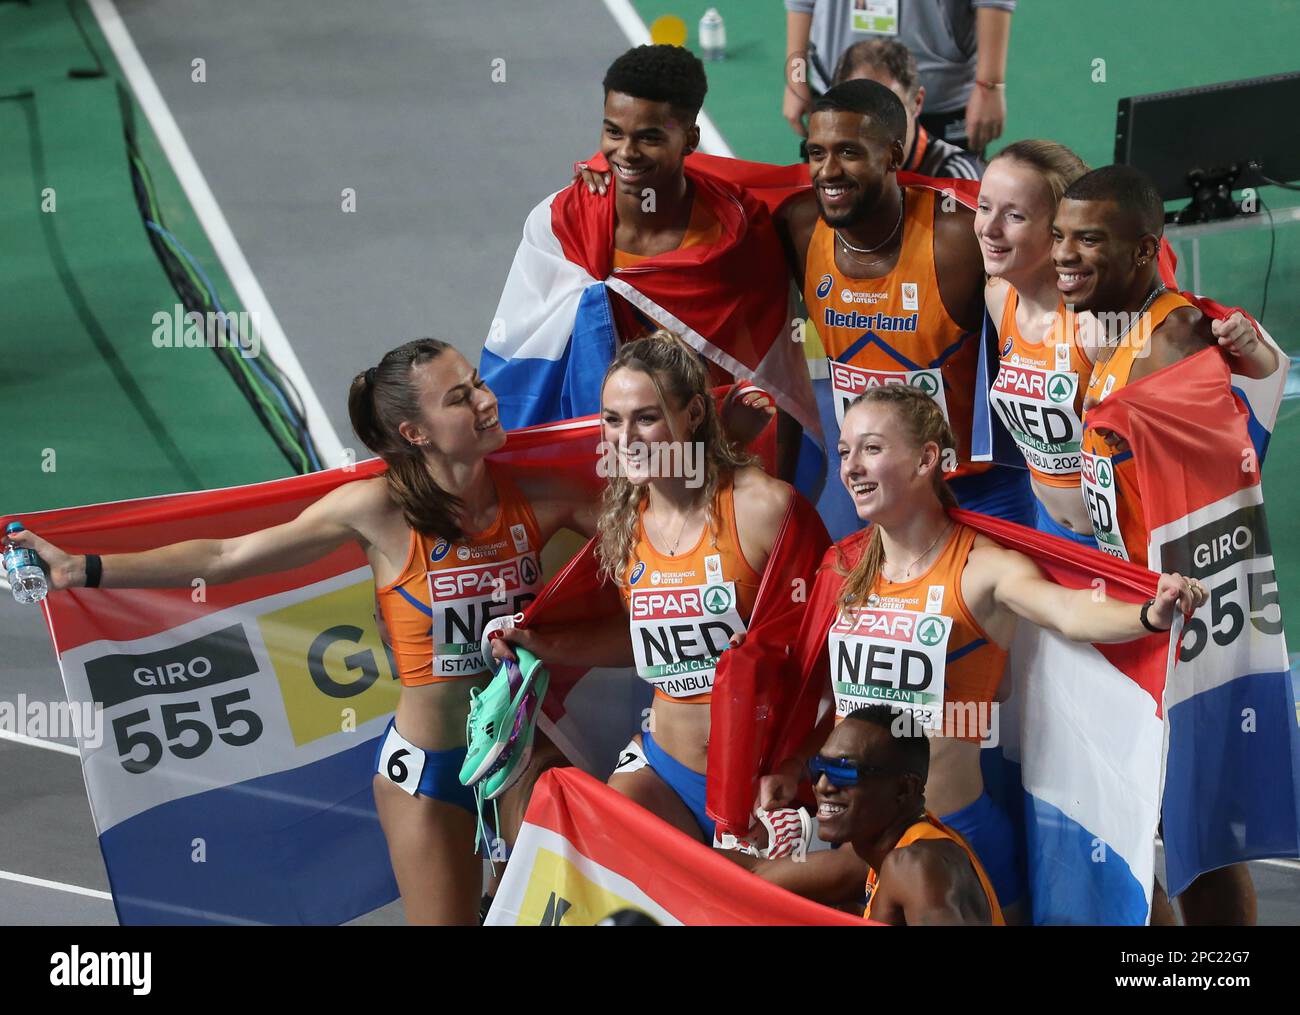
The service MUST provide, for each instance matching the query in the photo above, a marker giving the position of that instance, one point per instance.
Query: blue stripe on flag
(834, 505)
(528, 390)
(1082, 880)
(1068, 882)
(1232, 783)
(591, 350)
(535, 390)
(1259, 433)
(297, 847)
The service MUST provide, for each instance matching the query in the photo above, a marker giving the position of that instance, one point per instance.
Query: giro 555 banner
(232, 782)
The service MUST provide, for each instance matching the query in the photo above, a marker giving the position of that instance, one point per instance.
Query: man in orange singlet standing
(1106, 241)
(894, 281)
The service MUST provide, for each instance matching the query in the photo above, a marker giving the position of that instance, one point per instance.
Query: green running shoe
(492, 727)
(506, 773)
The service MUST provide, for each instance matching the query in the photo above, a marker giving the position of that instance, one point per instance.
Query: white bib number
(401, 761)
(1037, 408)
(678, 634)
(466, 599)
(890, 657)
(1099, 492)
(848, 382)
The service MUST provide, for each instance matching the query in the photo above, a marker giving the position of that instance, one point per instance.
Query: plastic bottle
(713, 35)
(23, 569)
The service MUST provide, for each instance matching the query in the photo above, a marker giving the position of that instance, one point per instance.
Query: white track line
(622, 11)
(25, 879)
(48, 745)
(214, 223)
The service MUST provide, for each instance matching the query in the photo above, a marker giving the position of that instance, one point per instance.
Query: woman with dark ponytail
(440, 506)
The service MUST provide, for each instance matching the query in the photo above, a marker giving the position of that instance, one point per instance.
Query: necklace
(1159, 288)
(908, 573)
(659, 529)
(870, 250)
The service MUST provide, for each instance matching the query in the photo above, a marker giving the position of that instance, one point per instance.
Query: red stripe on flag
(693, 882)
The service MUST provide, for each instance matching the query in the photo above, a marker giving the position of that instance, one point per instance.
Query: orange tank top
(932, 828)
(447, 592)
(703, 227)
(895, 329)
(1038, 394)
(1110, 485)
(683, 609)
(916, 646)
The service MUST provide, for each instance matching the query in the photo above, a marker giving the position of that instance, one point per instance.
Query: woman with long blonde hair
(686, 527)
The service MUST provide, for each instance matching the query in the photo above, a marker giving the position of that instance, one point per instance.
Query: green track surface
(1153, 46)
(82, 377)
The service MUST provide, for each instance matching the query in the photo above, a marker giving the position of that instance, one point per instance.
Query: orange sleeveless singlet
(684, 608)
(931, 828)
(447, 592)
(1039, 393)
(1110, 485)
(915, 645)
(895, 329)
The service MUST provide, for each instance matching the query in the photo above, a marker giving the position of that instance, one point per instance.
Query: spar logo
(878, 624)
(439, 550)
(1059, 388)
(824, 286)
(1105, 478)
(717, 599)
(668, 605)
(1037, 384)
(930, 631)
(926, 383)
(502, 577)
(637, 572)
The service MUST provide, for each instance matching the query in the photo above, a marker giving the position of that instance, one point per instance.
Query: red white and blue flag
(585, 852)
(1232, 759)
(232, 779)
(556, 328)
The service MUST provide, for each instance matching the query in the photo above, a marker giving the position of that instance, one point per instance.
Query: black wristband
(94, 570)
(1146, 623)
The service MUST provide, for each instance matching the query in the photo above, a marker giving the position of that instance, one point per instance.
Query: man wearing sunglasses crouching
(869, 779)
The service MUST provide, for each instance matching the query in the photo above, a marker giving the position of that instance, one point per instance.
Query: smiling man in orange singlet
(1106, 238)
(893, 278)
(869, 778)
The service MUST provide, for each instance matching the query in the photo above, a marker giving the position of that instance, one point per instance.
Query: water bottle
(713, 35)
(23, 569)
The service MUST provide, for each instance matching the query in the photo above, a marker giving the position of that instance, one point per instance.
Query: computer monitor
(1202, 143)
